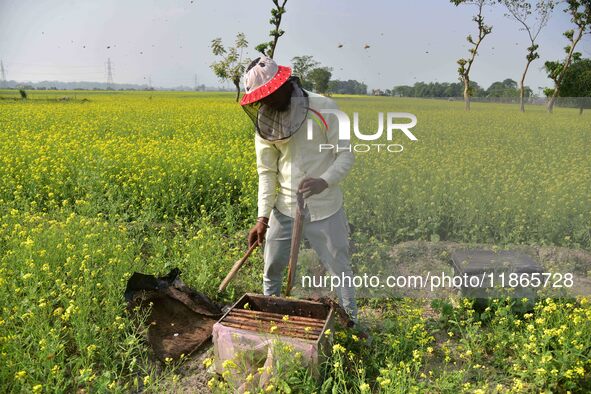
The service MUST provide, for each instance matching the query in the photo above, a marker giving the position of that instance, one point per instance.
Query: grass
(91, 191)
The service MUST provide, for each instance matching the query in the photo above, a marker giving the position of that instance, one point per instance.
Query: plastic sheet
(244, 352)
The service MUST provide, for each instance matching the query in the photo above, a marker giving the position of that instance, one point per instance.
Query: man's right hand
(257, 232)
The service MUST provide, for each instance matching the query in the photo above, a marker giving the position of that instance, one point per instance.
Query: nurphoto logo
(344, 124)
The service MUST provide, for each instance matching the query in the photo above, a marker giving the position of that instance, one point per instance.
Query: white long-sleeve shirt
(282, 166)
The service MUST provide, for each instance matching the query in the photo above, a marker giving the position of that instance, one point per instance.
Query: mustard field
(101, 184)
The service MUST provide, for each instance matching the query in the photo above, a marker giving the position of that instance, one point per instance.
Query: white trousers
(328, 237)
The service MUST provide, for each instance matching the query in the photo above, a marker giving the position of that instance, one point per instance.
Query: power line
(109, 74)
(53, 65)
(2, 75)
(61, 73)
(82, 71)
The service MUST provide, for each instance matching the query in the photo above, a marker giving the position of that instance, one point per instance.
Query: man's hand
(311, 186)
(257, 232)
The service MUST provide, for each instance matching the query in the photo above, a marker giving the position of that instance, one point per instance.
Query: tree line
(531, 16)
(505, 88)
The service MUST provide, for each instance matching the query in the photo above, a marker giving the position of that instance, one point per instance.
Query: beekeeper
(289, 161)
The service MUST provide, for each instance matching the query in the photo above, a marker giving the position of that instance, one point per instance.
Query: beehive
(256, 322)
(490, 266)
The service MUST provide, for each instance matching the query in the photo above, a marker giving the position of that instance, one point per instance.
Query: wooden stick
(287, 323)
(265, 324)
(236, 267)
(277, 316)
(296, 237)
(280, 330)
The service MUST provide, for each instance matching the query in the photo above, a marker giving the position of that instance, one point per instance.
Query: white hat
(263, 78)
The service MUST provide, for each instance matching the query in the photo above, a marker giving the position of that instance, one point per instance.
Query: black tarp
(180, 319)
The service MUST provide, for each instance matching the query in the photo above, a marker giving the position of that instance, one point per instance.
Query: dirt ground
(193, 376)
(412, 257)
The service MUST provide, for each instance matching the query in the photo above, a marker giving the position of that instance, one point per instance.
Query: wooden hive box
(247, 332)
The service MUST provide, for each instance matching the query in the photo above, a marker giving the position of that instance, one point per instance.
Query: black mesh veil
(275, 126)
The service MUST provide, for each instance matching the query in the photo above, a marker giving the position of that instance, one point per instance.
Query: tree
(302, 65)
(465, 65)
(402, 91)
(506, 88)
(435, 89)
(319, 78)
(532, 18)
(350, 86)
(452, 90)
(420, 89)
(231, 66)
(580, 12)
(268, 48)
(576, 84)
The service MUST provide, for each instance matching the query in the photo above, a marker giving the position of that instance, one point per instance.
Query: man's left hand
(311, 186)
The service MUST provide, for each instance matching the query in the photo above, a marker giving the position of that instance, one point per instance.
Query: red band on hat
(282, 75)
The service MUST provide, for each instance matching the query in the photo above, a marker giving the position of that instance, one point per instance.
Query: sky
(168, 41)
